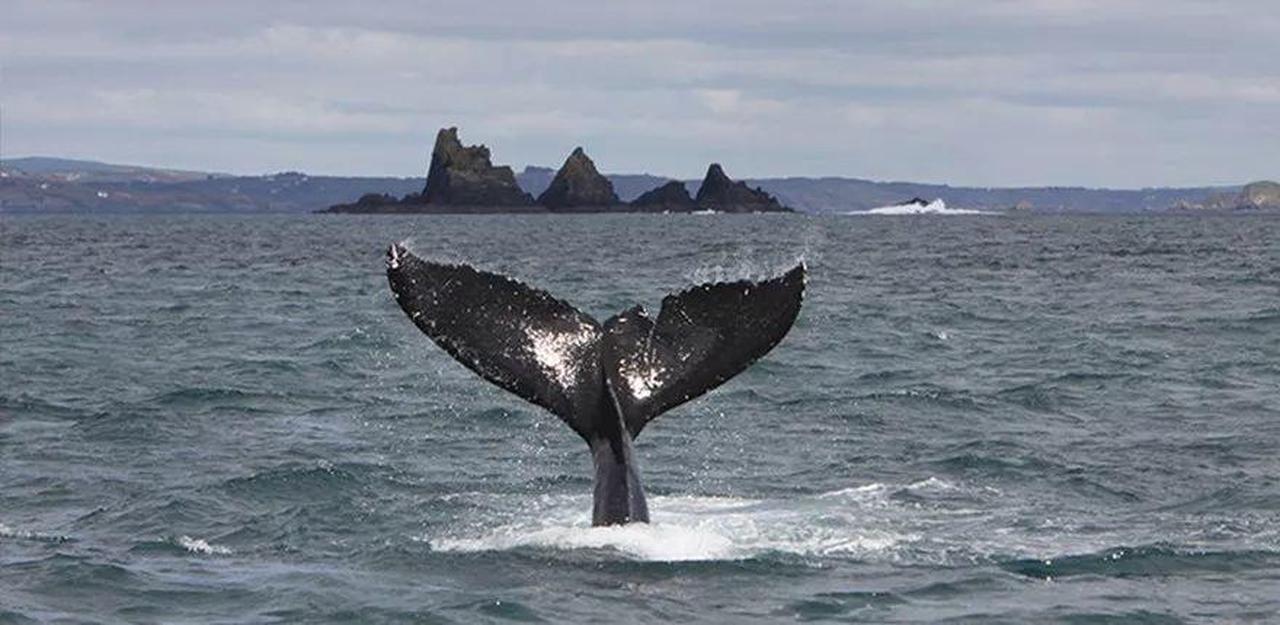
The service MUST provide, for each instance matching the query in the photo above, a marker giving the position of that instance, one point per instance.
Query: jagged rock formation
(463, 176)
(578, 186)
(671, 197)
(720, 193)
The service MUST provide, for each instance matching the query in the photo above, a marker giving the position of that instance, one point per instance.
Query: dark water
(975, 420)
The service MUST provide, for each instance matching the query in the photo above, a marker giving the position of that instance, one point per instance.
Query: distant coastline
(65, 186)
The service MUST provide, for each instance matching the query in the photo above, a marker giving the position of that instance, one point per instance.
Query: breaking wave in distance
(936, 207)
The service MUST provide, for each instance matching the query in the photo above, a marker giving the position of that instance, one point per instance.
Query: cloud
(1121, 92)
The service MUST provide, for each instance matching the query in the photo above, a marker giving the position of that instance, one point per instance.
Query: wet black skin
(605, 381)
(618, 496)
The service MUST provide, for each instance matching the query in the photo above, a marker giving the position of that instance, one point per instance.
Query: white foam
(932, 483)
(699, 528)
(936, 207)
(643, 541)
(10, 532)
(197, 545)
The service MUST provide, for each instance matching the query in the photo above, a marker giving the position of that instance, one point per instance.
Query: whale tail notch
(546, 351)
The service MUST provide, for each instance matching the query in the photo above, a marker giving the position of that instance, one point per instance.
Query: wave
(16, 618)
(201, 546)
(21, 534)
(305, 482)
(29, 406)
(936, 207)
(180, 545)
(207, 395)
(1142, 561)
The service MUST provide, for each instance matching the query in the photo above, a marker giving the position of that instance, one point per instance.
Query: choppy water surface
(975, 420)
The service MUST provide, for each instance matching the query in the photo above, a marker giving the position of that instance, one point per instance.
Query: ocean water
(975, 420)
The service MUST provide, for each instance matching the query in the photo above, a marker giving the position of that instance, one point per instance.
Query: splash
(748, 263)
(936, 207)
(702, 529)
(641, 541)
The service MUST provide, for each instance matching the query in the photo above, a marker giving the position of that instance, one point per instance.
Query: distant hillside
(63, 186)
(48, 185)
(1262, 195)
(841, 195)
(835, 195)
(71, 170)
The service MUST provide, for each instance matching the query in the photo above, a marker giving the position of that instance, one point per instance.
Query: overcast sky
(985, 92)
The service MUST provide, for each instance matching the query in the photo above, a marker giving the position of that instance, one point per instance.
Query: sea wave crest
(936, 207)
(201, 546)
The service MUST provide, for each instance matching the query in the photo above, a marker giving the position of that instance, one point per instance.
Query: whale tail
(589, 374)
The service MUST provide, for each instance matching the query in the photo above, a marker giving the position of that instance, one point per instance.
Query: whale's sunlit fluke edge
(606, 381)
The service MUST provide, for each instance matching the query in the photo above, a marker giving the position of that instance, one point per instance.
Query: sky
(1115, 93)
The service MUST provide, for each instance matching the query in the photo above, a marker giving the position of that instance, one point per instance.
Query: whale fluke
(605, 381)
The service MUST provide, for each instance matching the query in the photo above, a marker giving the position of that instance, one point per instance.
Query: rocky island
(463, 179)
(464, 176)
(579, 187)
(460, 179)
(723, 195)
(671, 197)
